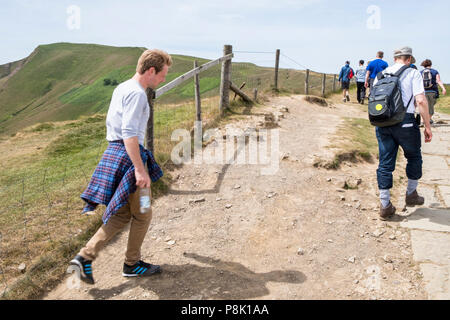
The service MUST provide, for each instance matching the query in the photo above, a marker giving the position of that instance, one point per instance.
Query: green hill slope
(35, 93)
(64, 81)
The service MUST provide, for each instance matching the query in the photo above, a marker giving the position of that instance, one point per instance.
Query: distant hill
(64, 81)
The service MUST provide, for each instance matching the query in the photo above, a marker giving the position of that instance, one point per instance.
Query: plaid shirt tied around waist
(114, 180)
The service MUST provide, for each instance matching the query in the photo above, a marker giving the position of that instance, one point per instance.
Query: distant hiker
(431, 80)
(360, 80)
(345, 76)
(405, 133)
(373, 68)
(125, 167)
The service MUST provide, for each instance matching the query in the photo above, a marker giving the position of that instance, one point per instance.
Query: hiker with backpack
(360, 76)
(431, 80)
(373, 68)
(395, 93)
(345, 75)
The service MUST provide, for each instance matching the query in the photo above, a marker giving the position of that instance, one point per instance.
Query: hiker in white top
(128, 112)
(127, 121)
(360, 81)
(405, 134)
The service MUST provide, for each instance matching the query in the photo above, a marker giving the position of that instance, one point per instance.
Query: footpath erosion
(229, 232)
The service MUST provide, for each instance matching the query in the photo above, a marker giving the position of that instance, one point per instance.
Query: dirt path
(293, 235)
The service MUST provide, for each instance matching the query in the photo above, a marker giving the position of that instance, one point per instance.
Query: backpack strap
(400, 71)
(409, 102)
(397, 74)
(380, 75)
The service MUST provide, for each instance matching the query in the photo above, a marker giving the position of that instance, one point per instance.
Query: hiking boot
(414, 199)
(387, 212)
(348, 98)
(344, 100)
(85, 268)
(140, 269)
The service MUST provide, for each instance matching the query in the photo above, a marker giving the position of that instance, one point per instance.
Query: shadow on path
(220, 178)
(434, 215)
(219, 280)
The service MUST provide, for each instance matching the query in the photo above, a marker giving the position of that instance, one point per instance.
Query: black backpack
(427, 78)
(386, 107)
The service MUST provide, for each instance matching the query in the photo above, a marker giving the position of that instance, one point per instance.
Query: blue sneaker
(140, 269)
(85, 268)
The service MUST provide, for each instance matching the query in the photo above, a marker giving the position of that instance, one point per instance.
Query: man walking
(344, 78)
(125, 167)
(431, 80)
(360, 81)
(405, 134)
(373, 68)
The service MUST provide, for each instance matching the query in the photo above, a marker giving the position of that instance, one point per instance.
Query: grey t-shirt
(128, 112)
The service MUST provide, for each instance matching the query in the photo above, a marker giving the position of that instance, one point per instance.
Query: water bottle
(144, 200)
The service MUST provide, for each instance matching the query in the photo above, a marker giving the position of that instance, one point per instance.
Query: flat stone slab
(431, 247)
(435, 170)
(431, 199)
(429, 219)
(436, 280)
(445, 193)
(429, 193)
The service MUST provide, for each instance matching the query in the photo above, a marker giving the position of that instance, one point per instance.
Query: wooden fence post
(197, 94)
(307, 82)
(225, 80)
(150, 124)
(255, 94)
(323, 85)
(277, 65)
(334, 83)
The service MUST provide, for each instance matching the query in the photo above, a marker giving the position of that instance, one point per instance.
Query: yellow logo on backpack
(378, 107)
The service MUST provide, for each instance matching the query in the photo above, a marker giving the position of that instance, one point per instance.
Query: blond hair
(153, 58)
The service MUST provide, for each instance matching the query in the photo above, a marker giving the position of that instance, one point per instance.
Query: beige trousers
(138, 229)
(431, 97)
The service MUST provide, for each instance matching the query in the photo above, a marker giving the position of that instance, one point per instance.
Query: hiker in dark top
(431, 80)
(344, 78)
(373, 68)
(360, 80)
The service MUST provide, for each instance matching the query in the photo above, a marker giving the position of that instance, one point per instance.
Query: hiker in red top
(345, 76)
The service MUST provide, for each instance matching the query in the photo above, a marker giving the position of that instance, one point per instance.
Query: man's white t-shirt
(128, 112)
(411, 84)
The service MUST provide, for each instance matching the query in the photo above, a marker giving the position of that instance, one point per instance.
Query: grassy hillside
(8, 68)
(443, 103)
(64, 81)
(40, 91)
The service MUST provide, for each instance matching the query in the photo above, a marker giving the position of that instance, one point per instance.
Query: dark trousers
(360, 91)
(406, 135)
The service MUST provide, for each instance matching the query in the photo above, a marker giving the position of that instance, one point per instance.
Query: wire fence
(40, 205)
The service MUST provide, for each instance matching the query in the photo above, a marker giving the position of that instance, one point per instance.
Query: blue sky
(318, 34)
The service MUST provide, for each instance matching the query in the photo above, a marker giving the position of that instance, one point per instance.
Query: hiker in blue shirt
(344, 78)
(431, 80)
(373, 68)
(360, 80)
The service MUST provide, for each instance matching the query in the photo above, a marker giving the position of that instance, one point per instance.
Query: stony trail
(296, 234)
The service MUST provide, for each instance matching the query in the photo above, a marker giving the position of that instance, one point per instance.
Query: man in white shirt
(405, 134)
(125, 167)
